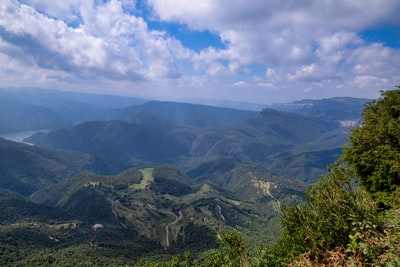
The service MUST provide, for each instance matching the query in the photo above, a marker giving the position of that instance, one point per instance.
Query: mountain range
(113, 179)
(182, 134)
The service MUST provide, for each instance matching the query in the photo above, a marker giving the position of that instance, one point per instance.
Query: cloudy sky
(263, 51)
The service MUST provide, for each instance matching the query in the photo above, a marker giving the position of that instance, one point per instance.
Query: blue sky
(186, 50)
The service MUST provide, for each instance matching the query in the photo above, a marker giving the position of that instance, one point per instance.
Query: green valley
(148, 183)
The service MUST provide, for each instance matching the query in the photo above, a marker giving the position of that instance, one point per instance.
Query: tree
(374, 150)
(232, 253)
(325, 220)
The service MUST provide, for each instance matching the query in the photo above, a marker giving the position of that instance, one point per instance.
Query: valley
(160, 178)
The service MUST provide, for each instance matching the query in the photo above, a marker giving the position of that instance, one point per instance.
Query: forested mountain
(96, 189)
(25, 169)
(262, 138)
(118, 141)
(137, 198)
(144, 211)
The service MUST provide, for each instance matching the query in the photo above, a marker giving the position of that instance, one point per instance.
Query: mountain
(246, 181)
(32, 234)
(104, 196)
(140, 212)
(179, 141)
(25, 169)
(304, 166)
(337, 108)
(24, 109)
(181, 114)
(118, 141)
(166, 206)
(16, 208)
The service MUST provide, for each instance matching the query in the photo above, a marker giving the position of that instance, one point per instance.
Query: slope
(118, 141)
(25, 169)
(164, 205)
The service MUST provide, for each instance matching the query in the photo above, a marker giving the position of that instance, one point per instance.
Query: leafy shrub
(325, 220)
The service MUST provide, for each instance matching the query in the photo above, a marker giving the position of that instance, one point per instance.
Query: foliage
(233, 252)
(370, 245)
(374, 150)
(325, 220)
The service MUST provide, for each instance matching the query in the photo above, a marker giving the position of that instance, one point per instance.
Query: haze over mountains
(163, 174)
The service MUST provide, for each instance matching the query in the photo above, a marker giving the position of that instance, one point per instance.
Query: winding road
(150, 206)
(220, 213)
(116, 214)
(177, 219)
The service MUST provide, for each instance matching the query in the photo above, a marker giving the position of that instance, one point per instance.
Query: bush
(325, 221)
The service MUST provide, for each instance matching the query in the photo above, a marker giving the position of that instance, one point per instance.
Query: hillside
(139, 213)
(246, 181)
(164, 205)
(25, 169)
(33, 234)
(118, 141)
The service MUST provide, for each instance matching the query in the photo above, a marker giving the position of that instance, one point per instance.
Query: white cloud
(298, 43)
(107, 42)
(376, 59)
(266, 85)
(240, 83)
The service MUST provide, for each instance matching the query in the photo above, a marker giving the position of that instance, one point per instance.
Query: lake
(20, 136)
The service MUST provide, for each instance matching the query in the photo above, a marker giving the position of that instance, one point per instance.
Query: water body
(20, 136)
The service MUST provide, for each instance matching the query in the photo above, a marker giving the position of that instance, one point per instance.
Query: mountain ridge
(25, 169)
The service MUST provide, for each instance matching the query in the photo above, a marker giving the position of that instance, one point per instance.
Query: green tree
(324, 221)
(374, 150)
(232, 253)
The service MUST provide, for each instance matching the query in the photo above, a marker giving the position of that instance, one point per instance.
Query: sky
(259, 51)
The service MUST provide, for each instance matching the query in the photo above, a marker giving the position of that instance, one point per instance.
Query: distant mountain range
(120, 178)
(24, 109)
(179, 134)
(337, 108)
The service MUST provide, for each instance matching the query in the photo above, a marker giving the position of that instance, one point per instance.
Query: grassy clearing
(147, 179)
